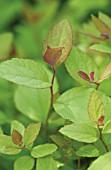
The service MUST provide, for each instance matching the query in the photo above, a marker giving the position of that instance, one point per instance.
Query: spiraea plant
(70, 130)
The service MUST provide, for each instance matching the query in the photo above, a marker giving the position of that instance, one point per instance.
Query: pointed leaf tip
(52, 55)
(92, 75)
(83, 75)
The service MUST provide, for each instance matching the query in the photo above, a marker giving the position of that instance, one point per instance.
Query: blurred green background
(23, 27)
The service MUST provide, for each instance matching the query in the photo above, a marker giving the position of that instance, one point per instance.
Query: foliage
(55, 92)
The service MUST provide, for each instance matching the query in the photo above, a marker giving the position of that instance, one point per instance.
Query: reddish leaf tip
(92, 75)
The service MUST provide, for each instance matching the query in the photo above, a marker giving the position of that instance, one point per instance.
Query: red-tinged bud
(83, 75)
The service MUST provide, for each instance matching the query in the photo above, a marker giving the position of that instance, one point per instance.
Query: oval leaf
(24, 72)
(95, 108)
(31, 133)
(59, 36)
(43, 150)
(16, 137)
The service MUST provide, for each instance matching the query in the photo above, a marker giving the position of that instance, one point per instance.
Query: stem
(51, 101)
(24, 148)
(101, 139)
(97, 84)
(79, 163)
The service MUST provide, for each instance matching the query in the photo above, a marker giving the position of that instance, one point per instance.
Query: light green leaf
(103, 162)
(107, 127)
(24, 163)
(87, 151)
(6, 40)
(10, 150)
(59, 36)
(82, 132)
(95, 107)
(24, 72)
(17, 126)
(7, 141)
(101, 48)
(33, 103)
(69, 104)
(31, 133)
(46, 163)
(106, 73)
(43, 150)
(80, 61)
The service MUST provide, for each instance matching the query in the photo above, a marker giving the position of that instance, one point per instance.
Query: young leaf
(83, 75)
(24, 163)
(95, 108)
(18, 127)
(88, 151)
(24, 72)
(82, 132)
(46, 163)
(92, 75)
(52, 55)
(107, 128)
(103, 162)
(59, 36)
(106, 73)
(31, 133)
(16, 137)
(78, 61)
(100, 25)
(43, 150)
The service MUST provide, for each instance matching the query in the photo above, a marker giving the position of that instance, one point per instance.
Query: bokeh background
(23, 27)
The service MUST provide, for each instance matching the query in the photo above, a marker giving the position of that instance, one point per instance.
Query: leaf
(31, 133)
(107, 127)
(92, 75)
(43, 150)
(80, 61)
(100, 25)
(24, 72)
(7, 141)
(82, 132)
(83, 75)
(6, 40)
(69, 104)
(87, 151)
(16, 137)
(46, 163)
(103, 162)
(101, 48)
(106, 73)
(24, 163)
(95, 108)
(10, 150)
(16, 125)
(52, 55)
(59, 36)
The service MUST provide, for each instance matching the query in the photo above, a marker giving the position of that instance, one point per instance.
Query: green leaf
(106, 73)
(46, 163)
(95, 107)
(24, 163)
(82, 132)
(17, 126)
(101, 48)
(24, 72)
(100, 25)
(80, 61)
(43, 150)
(33, 103)
(107, 127)
(59, 36)
(87, 151)
(103, 162)
(69, 104)
(7, 147)
(31, 133)
(6, 40)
